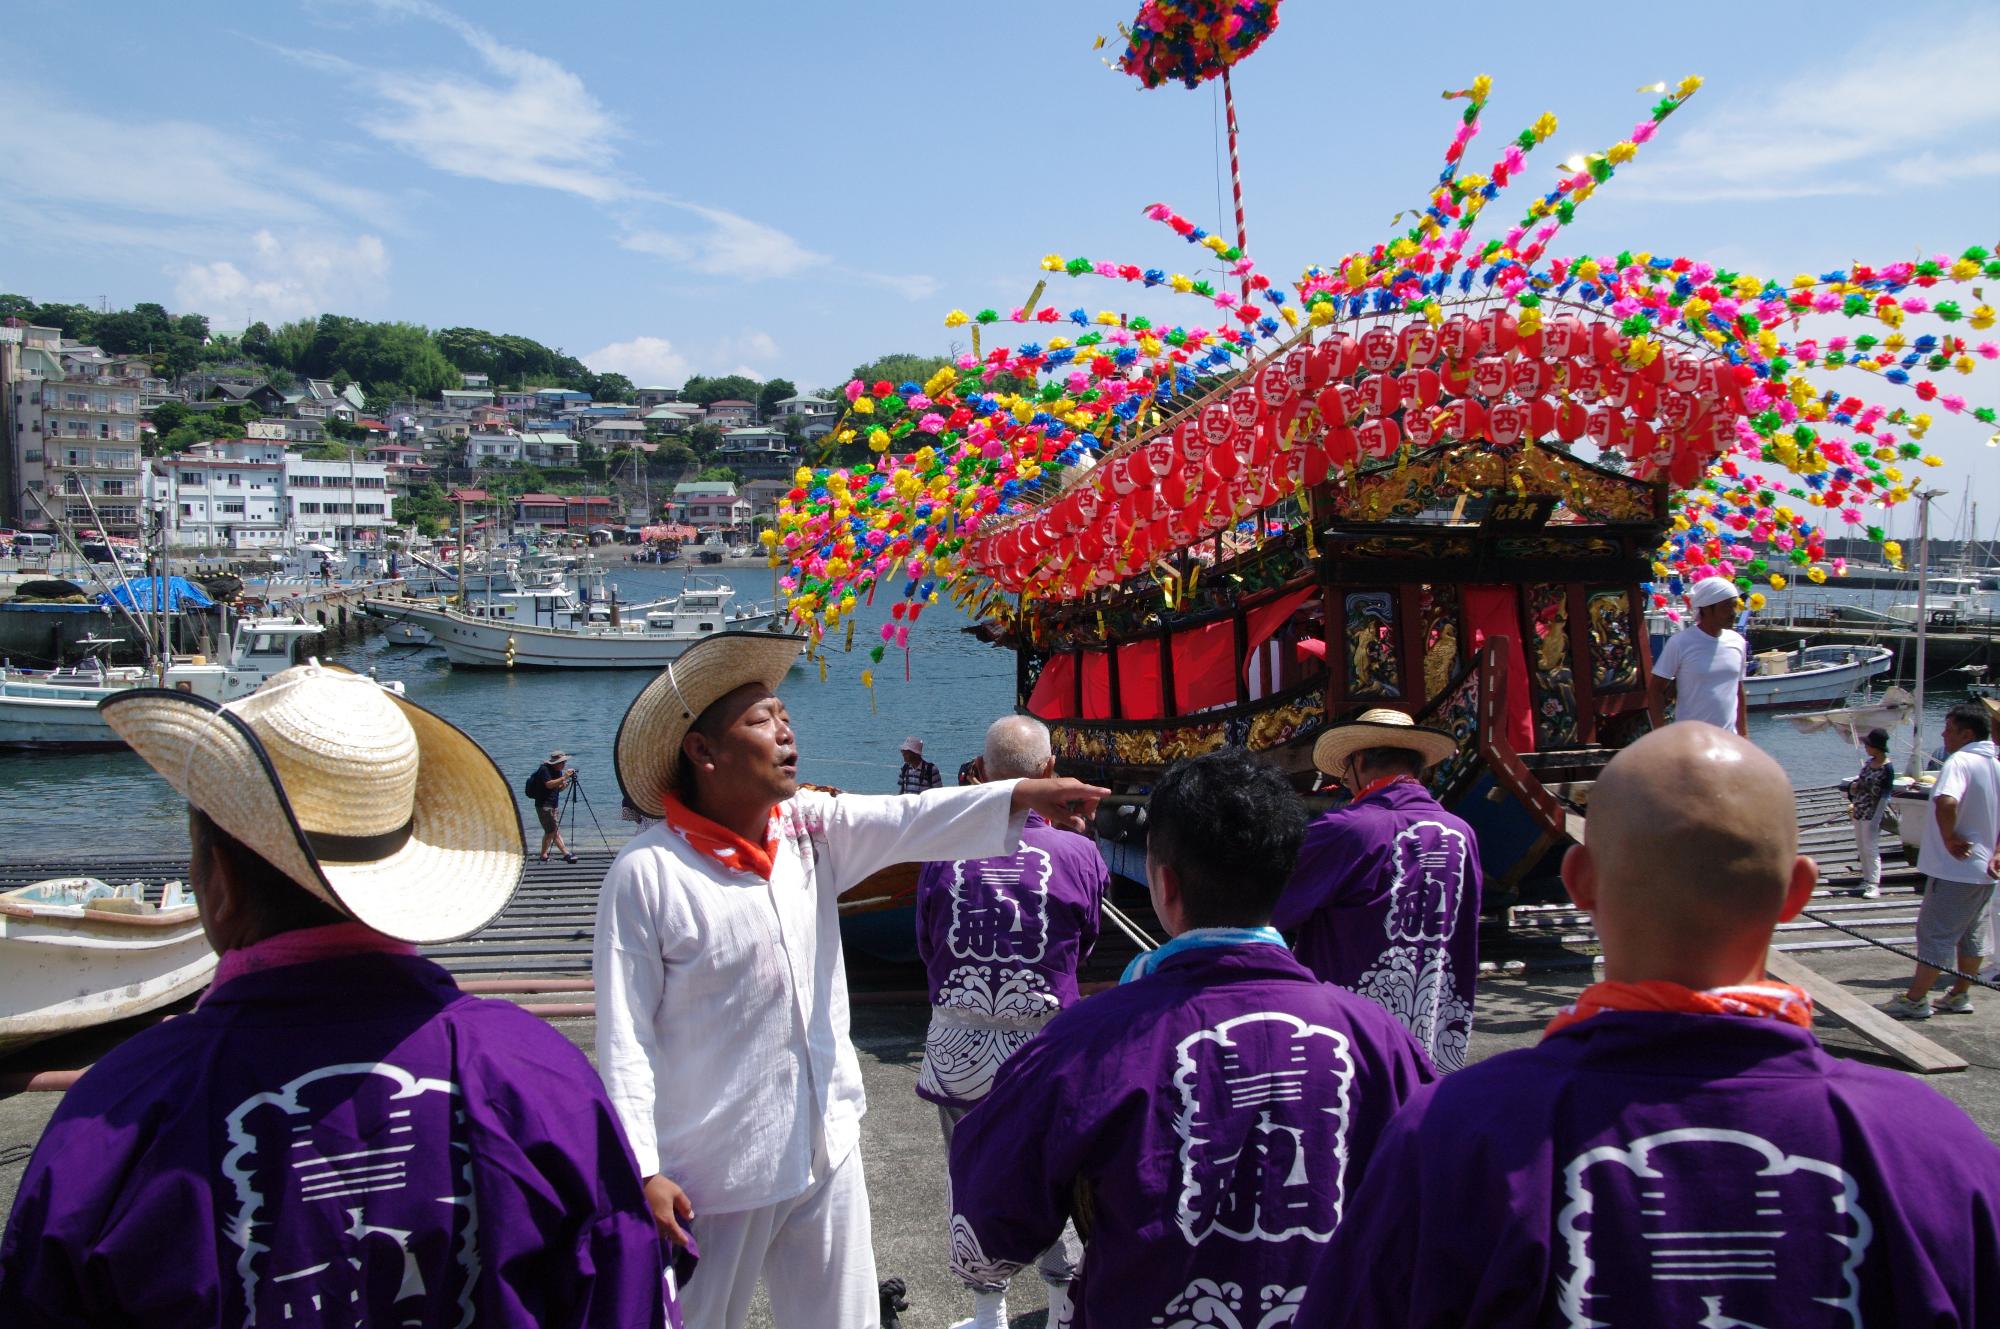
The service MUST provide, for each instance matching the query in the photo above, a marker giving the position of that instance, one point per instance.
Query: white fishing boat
(634, 637)
(403, 632)
(1813, 676)
(58, 708)
(74, 953)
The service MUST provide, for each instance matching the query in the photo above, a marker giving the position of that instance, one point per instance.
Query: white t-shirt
(1707, 672)
(1972, 776)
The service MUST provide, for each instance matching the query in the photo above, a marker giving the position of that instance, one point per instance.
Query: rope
(1132, 931)
(1912, 956)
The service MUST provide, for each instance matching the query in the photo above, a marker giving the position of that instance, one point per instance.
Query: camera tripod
(571, 796)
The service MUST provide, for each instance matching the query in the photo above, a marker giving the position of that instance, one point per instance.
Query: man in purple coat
(1001, 939)
(1385, 898)
(1204, 1123)
(336, 1135)
(1679, 1151)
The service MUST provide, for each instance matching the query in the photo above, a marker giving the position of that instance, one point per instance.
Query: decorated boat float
(1448, 474)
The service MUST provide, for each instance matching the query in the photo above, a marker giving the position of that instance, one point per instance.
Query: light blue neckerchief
(1198, 939)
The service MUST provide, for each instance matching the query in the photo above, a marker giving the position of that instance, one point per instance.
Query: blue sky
(792, 188)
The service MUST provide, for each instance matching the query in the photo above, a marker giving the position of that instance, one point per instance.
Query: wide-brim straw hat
(648, 752)
(374, 805)
(1380, 728)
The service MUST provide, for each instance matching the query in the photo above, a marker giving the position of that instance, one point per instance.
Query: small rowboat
(73, 955)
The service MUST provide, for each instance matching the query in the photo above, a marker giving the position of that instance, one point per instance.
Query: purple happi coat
(1672, 1171)
(1002, 939)
(346, 1141)
(1384, 901)
(1204, 1126)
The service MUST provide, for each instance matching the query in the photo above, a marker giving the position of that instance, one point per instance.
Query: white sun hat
(648, 751)
(915, 745)
(374, 805)
(1382, 727)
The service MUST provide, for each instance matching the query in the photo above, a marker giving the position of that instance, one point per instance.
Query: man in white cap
(336, 1133)
(722, 1025)
(1701, 668)
(1384, 898)
(915, 774)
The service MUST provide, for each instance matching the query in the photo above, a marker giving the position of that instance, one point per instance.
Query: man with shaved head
(1002, 939)
(1678, 1150)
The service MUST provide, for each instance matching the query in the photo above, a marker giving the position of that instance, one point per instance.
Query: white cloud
(727, 246)
(648, 359)
(1857, 127)
(285, 279)
(644, 360)
(176, 170)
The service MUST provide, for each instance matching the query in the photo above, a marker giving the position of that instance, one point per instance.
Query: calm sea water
(61, 805)
(110, 802)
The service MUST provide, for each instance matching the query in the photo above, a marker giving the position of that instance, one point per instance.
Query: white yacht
(58, 708)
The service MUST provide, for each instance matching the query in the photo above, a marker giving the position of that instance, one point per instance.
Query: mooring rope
(1892, 947)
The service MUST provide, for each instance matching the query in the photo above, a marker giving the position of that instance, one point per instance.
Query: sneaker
(1870, 892)
(1902, 1008)
(1959, 1003)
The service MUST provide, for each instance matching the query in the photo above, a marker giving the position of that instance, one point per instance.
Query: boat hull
(1820, 682)
(35, 723)
(471, 644)
(67, 969)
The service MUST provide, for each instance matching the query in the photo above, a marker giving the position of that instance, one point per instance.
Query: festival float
(1451, 473)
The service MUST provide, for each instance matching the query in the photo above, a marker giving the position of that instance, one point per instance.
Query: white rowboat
(1815, 676)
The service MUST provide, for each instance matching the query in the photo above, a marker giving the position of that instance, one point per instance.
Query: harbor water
(109, 803)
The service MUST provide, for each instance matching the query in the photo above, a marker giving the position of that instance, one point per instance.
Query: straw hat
(1380, 728)
(372, 804)
(648, 752)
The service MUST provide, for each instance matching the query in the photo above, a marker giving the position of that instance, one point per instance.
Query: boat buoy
(510, 652)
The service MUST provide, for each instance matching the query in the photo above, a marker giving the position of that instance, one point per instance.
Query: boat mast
(1924, 497)
(461, 549)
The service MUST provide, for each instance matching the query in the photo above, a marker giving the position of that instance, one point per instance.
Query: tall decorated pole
(1190, 42)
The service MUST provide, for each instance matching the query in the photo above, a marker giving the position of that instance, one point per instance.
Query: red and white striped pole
(1235, 173)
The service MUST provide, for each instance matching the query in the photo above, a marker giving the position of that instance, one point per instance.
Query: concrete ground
(905, 1157)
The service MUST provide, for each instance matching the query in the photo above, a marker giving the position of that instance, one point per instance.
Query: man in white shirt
(1701, 667)
(1956, 856)
(722, 1023)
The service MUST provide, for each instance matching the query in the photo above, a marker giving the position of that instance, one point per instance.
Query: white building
(547, 447)
(485, 448)
(250, 493)
(610, 434)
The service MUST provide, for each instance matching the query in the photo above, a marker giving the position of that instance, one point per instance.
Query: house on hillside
(674, 417)
(492, 449)
(758, 452)
(475, 381)
(588, 510)
(543, 510)
(647, 398)
(763, 496)
(816, 415)
(548, 447)
(466, 399)
(709, 505)
(730, 414)
(610, 434)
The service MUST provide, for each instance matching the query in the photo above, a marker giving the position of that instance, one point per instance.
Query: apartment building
(250, 493)
(71, 415)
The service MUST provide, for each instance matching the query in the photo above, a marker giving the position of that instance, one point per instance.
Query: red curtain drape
(1096, 685)
(1139, 681)
(1054, 697)
(1264, 621)
(1494, 611)
(1204, 667)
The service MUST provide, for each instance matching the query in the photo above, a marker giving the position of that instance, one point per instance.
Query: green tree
(703, 440)
(719, 474)
(903, 367)
(774, 391)
(169, 416)
(729, 387)
(611, 387)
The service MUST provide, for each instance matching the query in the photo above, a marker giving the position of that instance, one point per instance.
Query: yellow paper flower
(1817, 575)
(1982, 317)
(1622, 152)
(1688, 86)
(1757, 602)
(1777, 581)
(864, 406)
(957, 318)
(1544, 126)
(1052, 263)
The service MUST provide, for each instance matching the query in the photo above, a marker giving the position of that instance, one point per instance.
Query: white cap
(915, 745)
(1713, 591)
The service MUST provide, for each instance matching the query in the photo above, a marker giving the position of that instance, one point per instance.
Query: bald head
(1017, 748)
(1690, 855)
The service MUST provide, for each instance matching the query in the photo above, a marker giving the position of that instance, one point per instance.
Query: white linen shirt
(1970, 776)
(1707, 673)
(722, 1029)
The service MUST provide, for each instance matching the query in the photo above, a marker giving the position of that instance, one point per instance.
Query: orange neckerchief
(1759, 1001)
(721, 844)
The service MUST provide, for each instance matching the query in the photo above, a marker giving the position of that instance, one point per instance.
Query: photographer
(545, 788)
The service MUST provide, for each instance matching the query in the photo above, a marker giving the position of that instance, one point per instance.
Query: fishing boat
(608, 636)
(57, 709)
(402, 632)
(1812, 676)
(75, 953)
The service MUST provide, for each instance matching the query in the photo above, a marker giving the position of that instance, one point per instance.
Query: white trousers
(815, 1253)
(1868, 840)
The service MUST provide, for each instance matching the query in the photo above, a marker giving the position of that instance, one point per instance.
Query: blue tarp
(143, 595)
